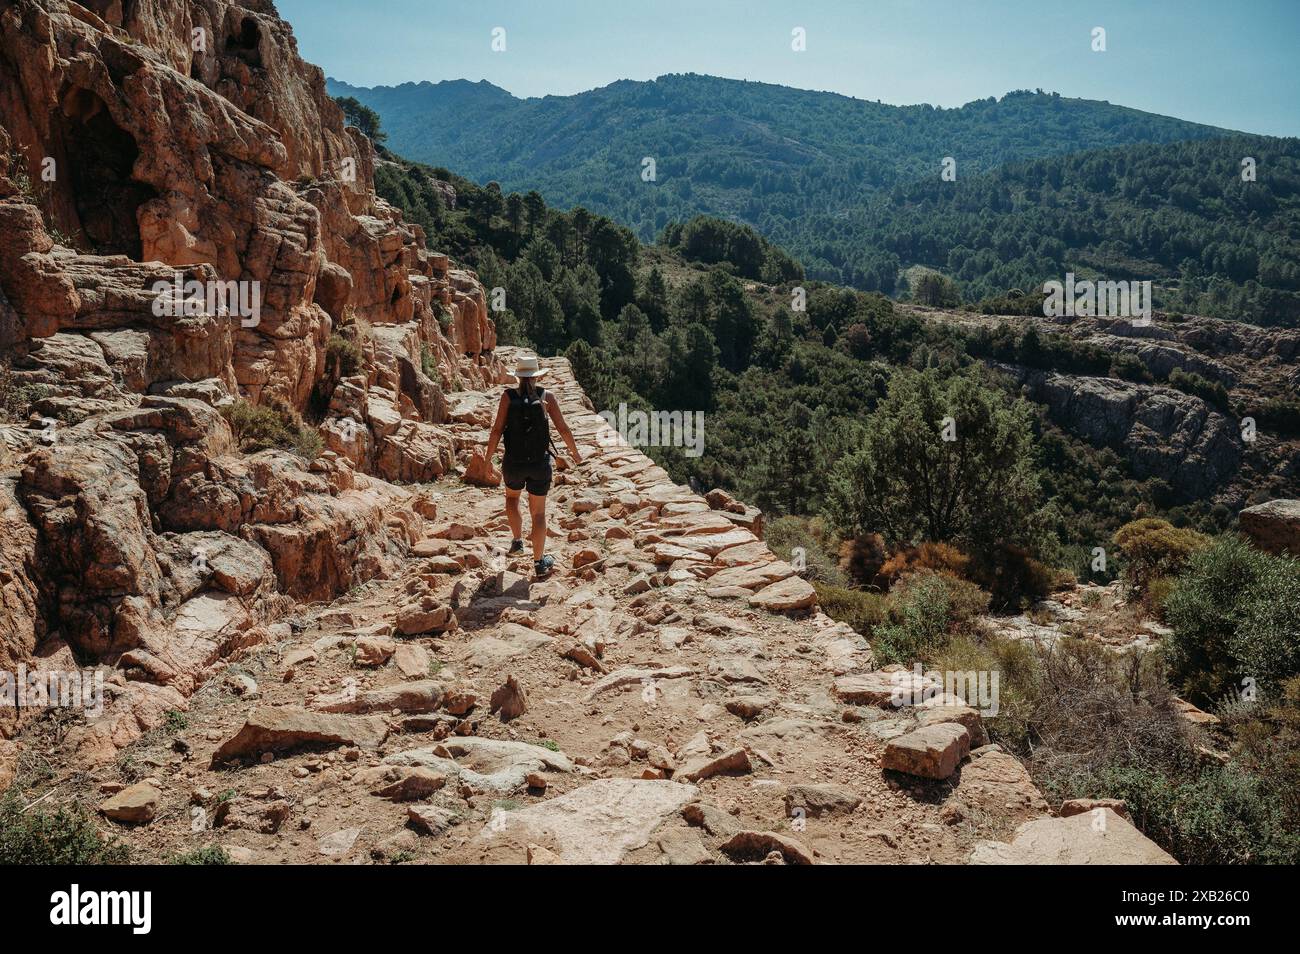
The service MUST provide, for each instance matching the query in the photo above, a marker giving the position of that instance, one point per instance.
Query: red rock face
(230, 155)
(176, 145)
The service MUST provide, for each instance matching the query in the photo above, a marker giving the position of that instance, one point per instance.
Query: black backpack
(528, 433)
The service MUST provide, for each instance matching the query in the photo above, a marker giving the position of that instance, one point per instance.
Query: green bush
(784, 534)
(207, 855)
(1156, 596)
(16, 399)
(66, 836)
(429, 363)
(443, 315)
(859, 608)
(1234, 616)
(943, 458)
(1189, 382)
(1130, 368)
(922, 613)
(259, 427)
(343, 355)
(1266, 742)
(1154, 548)
(1221, 815)
(1281, 416)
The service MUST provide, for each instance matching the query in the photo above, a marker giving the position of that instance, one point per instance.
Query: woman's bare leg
(513, 517)
(537, 510)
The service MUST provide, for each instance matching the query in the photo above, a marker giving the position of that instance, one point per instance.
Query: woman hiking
(526, 464)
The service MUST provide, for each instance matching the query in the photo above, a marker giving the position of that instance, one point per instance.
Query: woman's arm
(497, 426)
(553, 408)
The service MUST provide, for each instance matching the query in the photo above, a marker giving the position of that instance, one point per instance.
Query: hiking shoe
(516, 546)
(544, 566)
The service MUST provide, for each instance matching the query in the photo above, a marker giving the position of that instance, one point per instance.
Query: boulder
(631, 675)
(429, 615)
(885, 689)
(401, 783)
(933, 751)
(947, 707)
(996, 783)
(280, 729)
(374, 651)
(753, 576)
(252, 814)
(818, 800)
(412, 660)
(1273, 526)
(486, 765)
(732, 762)
(793, 593)
(758, 846)
(1087, 839)
(510, 699)
(136, 804)
(431, 820)
(420, 696)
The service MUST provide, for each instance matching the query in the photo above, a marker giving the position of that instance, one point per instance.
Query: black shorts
(535, 478)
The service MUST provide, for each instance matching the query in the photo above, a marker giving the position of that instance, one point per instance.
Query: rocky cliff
(187, 227)
(1201, 450)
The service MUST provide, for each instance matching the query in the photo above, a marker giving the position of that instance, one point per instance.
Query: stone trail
(670, 695)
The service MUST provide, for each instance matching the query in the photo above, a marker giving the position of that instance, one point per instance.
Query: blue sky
(1229, 63)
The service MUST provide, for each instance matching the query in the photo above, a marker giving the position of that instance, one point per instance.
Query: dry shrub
(861, 558)
(938, 557)
(1093, 724)
(1013, 577)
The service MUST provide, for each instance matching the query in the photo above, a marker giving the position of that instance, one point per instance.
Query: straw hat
(527, 367)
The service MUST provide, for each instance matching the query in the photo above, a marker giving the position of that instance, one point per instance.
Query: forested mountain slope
(767, 154)
(852, 189)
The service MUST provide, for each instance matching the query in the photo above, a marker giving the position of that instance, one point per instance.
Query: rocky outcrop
(1273, 526)
(1162, 432)
(185, 224)
(315, 639)
(1203, 451)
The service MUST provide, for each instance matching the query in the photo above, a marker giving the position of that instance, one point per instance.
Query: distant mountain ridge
(732, 147)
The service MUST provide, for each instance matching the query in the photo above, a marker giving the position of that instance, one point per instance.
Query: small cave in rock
(247, 43)
(110, 11)
(101, 157)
